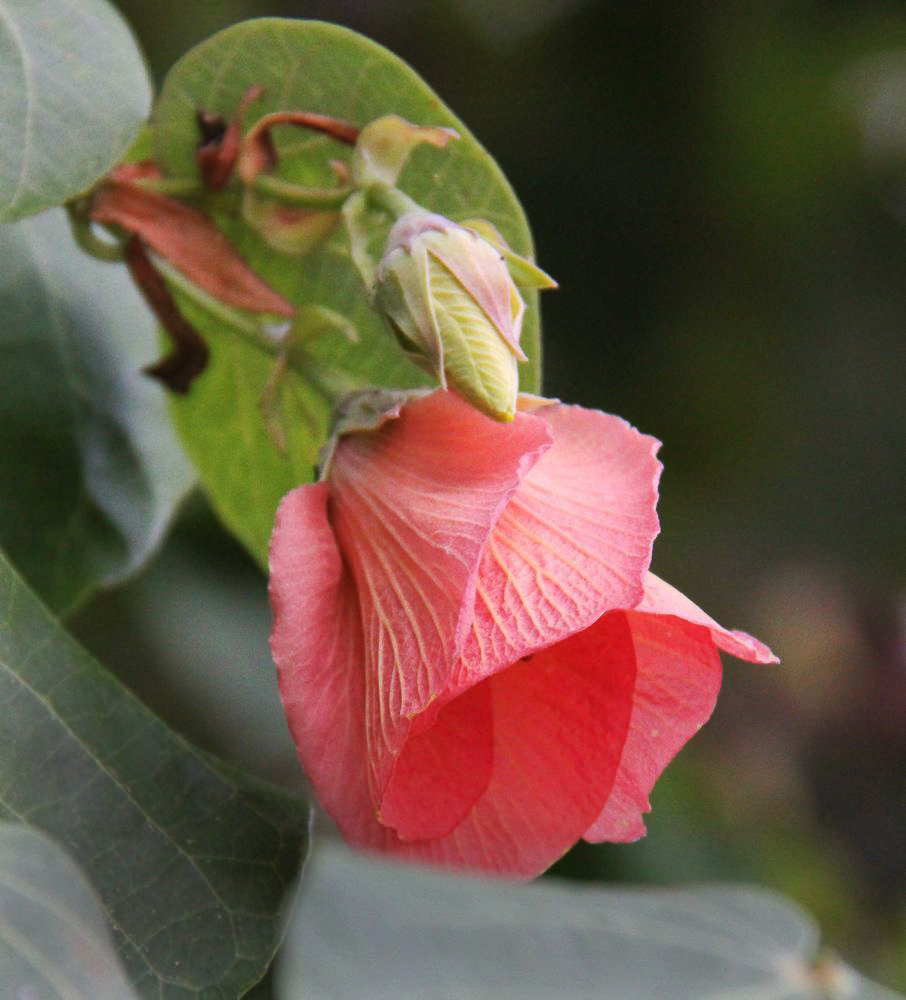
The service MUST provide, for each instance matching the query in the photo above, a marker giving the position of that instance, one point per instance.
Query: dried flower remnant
(218, 149)
(291, 218)
(189, 240)
(189, 357)
(185, 237)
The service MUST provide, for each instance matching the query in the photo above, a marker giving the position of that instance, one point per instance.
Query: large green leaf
(308, 66)
(190, 858)
(364, 928)
(73, 93)
(90, 470)
(54, 941)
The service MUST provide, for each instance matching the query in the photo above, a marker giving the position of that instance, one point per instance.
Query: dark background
(721, 192)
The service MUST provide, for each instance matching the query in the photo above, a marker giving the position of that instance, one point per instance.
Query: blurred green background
(721, 192)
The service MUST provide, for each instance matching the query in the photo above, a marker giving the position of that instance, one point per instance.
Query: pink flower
(476, 665)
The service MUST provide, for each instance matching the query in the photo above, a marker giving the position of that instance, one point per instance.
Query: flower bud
(449, 299)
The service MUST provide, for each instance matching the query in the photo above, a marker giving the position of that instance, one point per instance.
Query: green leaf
(74, 92)
(369, 928)
(90, 470)
(190, 858)
(54, 940)
(309, 66)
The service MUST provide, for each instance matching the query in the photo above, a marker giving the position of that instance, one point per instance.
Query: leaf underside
(90, 469)
(376, 929)
(190, 858)
(74, 92)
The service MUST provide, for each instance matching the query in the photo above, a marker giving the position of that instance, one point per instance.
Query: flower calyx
(363, 411)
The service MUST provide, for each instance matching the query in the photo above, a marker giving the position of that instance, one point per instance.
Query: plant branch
(299, 196)
(392, 200)
(265, 338)
(86, 236)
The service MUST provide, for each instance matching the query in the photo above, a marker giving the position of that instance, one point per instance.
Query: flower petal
(662, 599)
(574, 542)
(677, 682)
(560, 719)
(679, 674)
(443, 770)
(317, 646)
(413, 502)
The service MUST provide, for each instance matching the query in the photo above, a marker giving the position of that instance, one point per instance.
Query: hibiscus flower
(476, 665)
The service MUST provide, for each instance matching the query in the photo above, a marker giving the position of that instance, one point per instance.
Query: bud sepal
(449, 299)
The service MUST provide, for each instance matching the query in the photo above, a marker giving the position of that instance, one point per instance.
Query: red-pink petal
(560, 718)
(501, 761)
(317, 646)
(662, 599)
(443, 770)
(412, 503)
(678, 675)
(574, 542)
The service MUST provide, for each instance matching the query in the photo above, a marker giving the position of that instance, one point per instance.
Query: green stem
(85, 235)
(179, 187)
(392, 200)
(355, 215)
(331, 383)
(254, 333)
(298, 196)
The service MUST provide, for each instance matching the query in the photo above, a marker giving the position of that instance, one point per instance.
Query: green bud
(449, 299)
